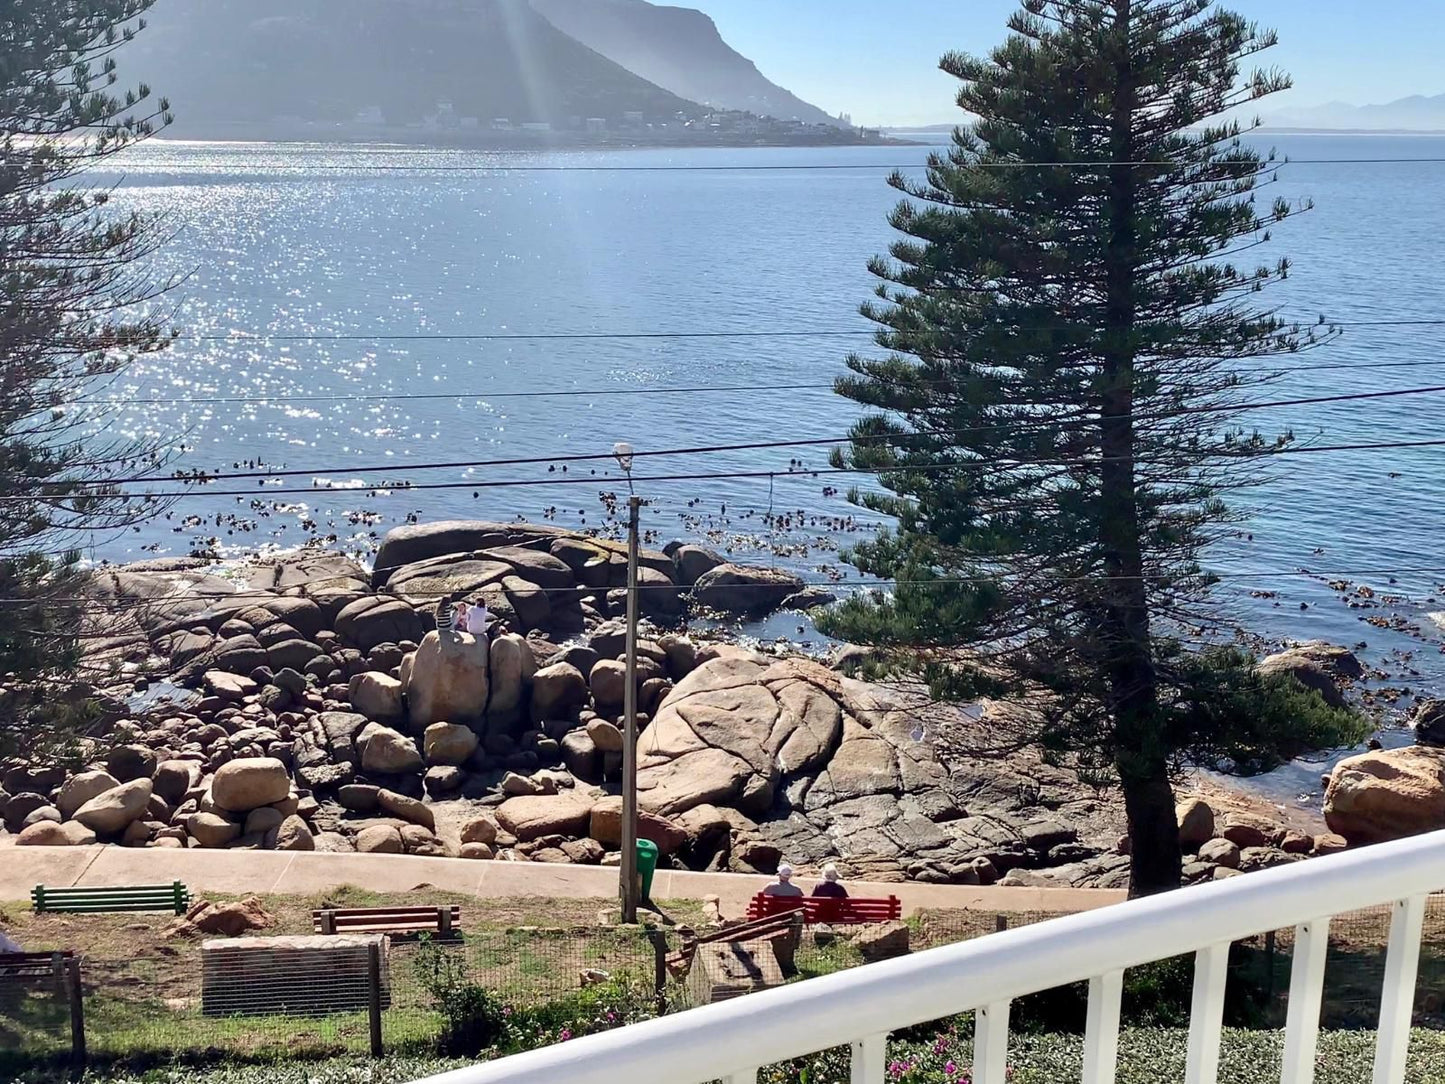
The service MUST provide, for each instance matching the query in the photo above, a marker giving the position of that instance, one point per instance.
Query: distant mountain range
(680, 49)
(442, 63)
(1415, 113)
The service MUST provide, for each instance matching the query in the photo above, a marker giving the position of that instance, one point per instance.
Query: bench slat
(442, 920)
(848, 911)
(90, 899)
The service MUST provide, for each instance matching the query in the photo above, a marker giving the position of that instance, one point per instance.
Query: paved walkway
(306, 873)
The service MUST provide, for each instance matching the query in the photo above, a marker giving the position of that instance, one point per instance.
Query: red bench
(835, 912)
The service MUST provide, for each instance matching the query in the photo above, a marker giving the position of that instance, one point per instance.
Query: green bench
(95, 900)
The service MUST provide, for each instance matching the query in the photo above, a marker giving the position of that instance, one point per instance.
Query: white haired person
(830, 887)
(783, 886)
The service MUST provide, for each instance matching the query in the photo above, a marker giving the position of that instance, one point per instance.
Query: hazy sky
(879, 61)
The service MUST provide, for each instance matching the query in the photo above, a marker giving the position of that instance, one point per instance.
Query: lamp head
(623, 453)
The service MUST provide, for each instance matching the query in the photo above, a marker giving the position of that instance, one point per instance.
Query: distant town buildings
(722, 125)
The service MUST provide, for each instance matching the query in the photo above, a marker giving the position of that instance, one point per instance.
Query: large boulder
(408, 809)
(448, 680)
(448, 744)
(1428, 722)
(608, 682)
(734, 727)
(1196, 822)
(387, 752)
(377, 696)
(537, 567)
(480, 829)
(131, 762)
(513, 668)
(379, 839)
(605, 826)
(228, 687)
(694, 562)
(238, 654)
(174, 778)
(43, 834)
(559, 691)
(421, 541)
(1387, 794)
(113, 811)
(240, 786)
(422, 583)
(375, 620)
(81, 788)
(212, 829)
(1310, 669)
(533, 816)
(741, 590)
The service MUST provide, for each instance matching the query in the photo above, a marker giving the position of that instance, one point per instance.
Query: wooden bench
(98, 900)
(779, 930)
(442, 921)
(34, 965)
(835, 912)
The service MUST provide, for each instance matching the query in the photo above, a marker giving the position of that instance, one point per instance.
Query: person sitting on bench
(830, 887)
(783, 886)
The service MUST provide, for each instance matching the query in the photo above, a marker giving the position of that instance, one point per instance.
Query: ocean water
(383, 254)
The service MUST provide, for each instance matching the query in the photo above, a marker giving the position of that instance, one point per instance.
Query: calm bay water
(301, 240)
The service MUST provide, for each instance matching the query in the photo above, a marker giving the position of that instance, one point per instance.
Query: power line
(1262, 166)
(594, 336)
(121, 605)
(591, 393)
(207, 476)
(397, 488)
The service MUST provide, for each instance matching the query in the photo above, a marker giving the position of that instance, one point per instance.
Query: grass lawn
(1147, 1056)
(143, 988)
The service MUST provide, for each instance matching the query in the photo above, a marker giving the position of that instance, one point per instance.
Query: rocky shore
(310, 703)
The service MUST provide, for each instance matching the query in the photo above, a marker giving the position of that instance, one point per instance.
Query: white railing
(731, 1040)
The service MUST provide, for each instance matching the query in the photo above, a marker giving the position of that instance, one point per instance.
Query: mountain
(1415, 113)
(680, 49)
(226, 62)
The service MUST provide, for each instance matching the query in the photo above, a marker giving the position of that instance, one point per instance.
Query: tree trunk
(1123, 623)
(1153, 833)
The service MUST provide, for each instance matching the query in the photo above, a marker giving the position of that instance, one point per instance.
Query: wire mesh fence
(301, 997)
(38, 1005)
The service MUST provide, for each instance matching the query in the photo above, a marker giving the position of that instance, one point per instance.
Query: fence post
(659, 968)
(1269, 954)
(1000, 923)
(77, 1012)
(373, 969)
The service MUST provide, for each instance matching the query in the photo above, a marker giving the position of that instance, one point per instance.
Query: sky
(878, 61)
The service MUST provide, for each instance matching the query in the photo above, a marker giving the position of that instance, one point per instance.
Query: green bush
(473, 1019)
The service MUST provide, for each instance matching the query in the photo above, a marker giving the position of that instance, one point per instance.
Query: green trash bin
(646, 865)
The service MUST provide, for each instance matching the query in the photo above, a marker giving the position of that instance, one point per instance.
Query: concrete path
(306, 873)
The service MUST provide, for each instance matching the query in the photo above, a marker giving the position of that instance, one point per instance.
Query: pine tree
(1070, 318)
(71, 283)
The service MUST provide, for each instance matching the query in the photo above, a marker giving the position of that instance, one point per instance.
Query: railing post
(659, 968)
(77, 1012)
(373, 974)
(1306, 993)
(869, 1056)
(1397, 1004)
(1101, 1033)
(1206, 1014)
(990, 1043)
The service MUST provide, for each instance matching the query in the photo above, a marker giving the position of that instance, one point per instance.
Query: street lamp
(629, 888)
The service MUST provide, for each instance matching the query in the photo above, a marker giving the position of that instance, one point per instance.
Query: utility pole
(630, 888)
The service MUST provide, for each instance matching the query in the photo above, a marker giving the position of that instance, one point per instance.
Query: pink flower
(950, 1069)
(566, 1034)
